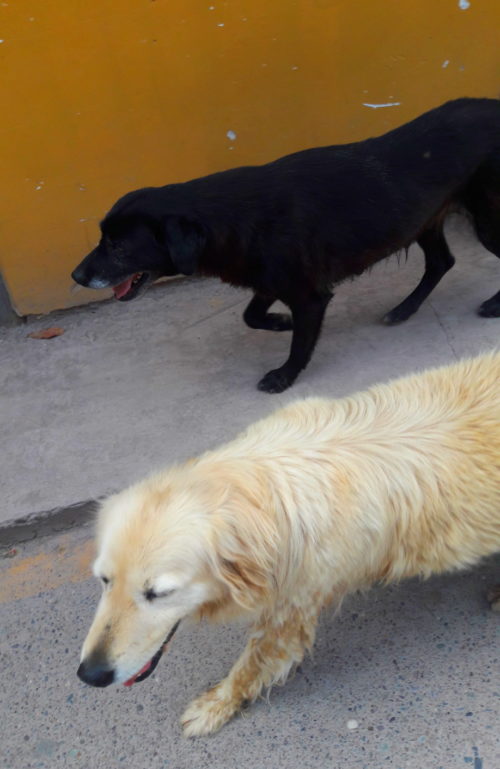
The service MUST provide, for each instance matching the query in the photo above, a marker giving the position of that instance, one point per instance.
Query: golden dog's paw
(493, 596)
(207, 713)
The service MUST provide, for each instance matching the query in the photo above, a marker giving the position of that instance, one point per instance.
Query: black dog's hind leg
(488, 232)
(482, 199)
(307, 319)
(438, 260)
(491, 308)
(256, 315)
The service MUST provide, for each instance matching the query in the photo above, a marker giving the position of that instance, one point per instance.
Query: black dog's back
(371, 198)
(293, 228)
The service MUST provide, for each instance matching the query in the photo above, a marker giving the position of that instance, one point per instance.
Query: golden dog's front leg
(271, 651)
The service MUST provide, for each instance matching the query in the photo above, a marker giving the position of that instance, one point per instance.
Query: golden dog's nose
(95, 674)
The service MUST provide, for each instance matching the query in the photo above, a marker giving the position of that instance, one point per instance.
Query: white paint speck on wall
(378, 106)
(231, 135)
(445, 63)
(463, 4)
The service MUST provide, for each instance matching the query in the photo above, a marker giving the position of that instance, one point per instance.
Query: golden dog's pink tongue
(123, 288)
(141, 671)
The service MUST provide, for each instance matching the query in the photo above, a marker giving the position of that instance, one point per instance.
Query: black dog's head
(140, 244)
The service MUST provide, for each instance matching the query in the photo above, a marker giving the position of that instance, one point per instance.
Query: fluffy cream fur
(319, 499)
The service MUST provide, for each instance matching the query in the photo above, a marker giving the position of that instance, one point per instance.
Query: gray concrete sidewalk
(131, 387)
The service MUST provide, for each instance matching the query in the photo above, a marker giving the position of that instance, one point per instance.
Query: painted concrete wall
(100, 97)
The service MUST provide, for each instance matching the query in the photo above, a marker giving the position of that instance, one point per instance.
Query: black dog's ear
(185, 240)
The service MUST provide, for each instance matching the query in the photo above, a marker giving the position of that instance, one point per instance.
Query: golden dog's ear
(247, 583)
(245, 556)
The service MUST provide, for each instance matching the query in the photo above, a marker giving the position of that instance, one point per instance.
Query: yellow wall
(102, 96)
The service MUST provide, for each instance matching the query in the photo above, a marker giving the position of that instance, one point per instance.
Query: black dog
(293, 228)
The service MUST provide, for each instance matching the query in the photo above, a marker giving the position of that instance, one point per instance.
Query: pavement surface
(406, 677)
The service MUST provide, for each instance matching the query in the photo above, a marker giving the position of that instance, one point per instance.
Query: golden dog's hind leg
(272, 650)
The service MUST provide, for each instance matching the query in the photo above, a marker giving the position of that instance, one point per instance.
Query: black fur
(293, 228)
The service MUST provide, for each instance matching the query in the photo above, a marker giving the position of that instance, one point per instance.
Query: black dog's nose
(79, 276)
(95, 675)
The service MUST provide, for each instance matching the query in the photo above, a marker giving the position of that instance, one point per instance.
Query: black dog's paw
(490, 309)
(272, 321)
(397, 315)
(278, 321)
(275, 381)
(493, 597)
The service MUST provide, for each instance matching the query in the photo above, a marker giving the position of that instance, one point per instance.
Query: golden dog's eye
(150, 594)
(105, 580)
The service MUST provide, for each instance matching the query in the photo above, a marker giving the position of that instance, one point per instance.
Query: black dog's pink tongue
(141, 671)
(123, 288)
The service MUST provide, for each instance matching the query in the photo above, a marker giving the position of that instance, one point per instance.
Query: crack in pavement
(445, 331)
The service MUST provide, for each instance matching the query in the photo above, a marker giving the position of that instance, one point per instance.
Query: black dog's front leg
(307, 319)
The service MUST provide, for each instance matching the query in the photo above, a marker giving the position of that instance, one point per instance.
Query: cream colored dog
(319, 499)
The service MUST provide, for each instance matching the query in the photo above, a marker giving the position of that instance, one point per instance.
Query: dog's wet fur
(294, 228)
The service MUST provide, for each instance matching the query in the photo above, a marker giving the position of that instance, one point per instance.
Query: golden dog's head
(189, 542)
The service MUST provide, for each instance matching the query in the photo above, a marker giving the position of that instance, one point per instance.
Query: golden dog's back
(398, 480)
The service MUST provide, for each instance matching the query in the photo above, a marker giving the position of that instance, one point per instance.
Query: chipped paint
(378, 106)
(445, 63)
(463, 4)
(232, 135)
